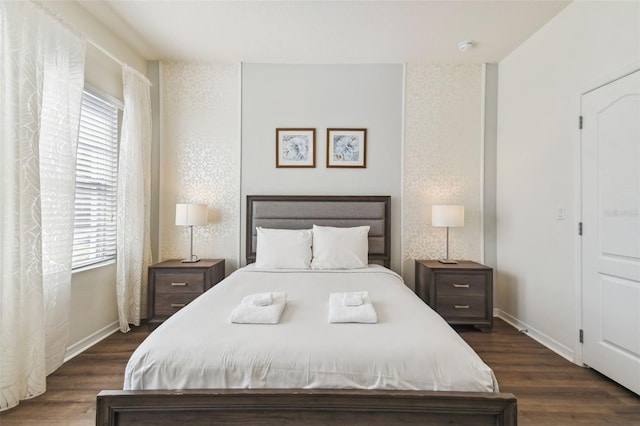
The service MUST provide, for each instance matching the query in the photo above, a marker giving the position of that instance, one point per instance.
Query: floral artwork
(295, 147)
(346, 147)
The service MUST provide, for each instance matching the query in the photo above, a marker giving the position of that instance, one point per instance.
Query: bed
(408, 367)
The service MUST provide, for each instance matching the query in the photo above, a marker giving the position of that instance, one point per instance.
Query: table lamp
(190, 215)
(447, 216)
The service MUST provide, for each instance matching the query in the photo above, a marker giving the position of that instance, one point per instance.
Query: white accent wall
(442, 160)
(321, 97)
(200, 158)
(435, 109)
(540, 84)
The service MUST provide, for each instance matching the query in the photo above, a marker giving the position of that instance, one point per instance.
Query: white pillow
(340, 248)
(283, 248)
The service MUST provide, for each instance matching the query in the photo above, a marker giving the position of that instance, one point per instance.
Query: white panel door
(611, 230)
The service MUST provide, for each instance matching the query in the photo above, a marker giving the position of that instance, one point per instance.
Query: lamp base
(194, 259)
(448, 262)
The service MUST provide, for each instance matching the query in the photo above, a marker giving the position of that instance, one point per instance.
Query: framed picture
(295, 147)
(347, 148)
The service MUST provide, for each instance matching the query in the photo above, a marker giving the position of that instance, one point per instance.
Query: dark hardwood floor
(550, 389)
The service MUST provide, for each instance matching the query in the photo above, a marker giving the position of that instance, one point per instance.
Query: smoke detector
(463, 46)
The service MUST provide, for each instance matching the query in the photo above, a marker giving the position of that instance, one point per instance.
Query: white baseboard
(536, 335)
(84, 344)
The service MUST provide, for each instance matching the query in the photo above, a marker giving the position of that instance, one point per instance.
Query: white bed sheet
(411, 347)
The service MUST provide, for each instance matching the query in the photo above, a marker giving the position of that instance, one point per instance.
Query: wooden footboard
(307, 407)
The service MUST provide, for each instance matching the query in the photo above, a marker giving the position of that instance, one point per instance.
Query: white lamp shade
(447, 216)
(191, 214)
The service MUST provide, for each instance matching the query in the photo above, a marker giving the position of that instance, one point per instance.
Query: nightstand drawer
(461, 285)
(450, 307)
(182, 282)
(169, 304)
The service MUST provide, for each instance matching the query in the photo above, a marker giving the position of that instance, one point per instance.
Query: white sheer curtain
(134, 163)
(41, 82)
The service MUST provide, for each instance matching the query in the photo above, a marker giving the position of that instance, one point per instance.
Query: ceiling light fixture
(463, 46)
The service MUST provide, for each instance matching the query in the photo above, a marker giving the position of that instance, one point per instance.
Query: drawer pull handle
(461, 285)
(461, 306)
(179, 284)
(178, 305)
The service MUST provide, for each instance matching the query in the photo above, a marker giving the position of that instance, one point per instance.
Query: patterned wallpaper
(442, 160)
(200, 158)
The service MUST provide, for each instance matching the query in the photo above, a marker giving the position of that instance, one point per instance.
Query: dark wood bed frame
(308, 406)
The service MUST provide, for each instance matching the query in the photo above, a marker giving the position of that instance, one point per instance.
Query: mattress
(410, 347)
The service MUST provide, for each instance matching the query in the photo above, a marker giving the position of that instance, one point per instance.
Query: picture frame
(295, 147)
(347, 148)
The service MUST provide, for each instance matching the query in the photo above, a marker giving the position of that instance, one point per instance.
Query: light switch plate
(561, 213)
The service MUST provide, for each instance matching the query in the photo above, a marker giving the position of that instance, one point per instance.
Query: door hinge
(581, 336)
(580, 123)
(580, 228)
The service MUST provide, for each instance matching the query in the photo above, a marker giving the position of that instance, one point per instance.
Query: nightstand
(173, 284)
(462, 293)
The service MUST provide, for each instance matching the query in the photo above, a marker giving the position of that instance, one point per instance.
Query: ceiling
(316, 32)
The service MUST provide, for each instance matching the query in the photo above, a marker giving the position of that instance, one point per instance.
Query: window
(94, 238)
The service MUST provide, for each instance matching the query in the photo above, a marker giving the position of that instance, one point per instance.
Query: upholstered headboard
(303, 211)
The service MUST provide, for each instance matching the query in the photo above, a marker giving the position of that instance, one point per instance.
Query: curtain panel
(134, 185)
(41, 83)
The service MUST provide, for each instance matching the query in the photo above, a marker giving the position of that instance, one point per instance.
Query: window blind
(94, 239)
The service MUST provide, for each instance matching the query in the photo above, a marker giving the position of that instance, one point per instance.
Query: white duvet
(411, 347)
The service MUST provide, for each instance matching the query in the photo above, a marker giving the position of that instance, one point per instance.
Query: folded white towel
(258, 299)
(338, 312)
(246, 313)
(354, 298)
